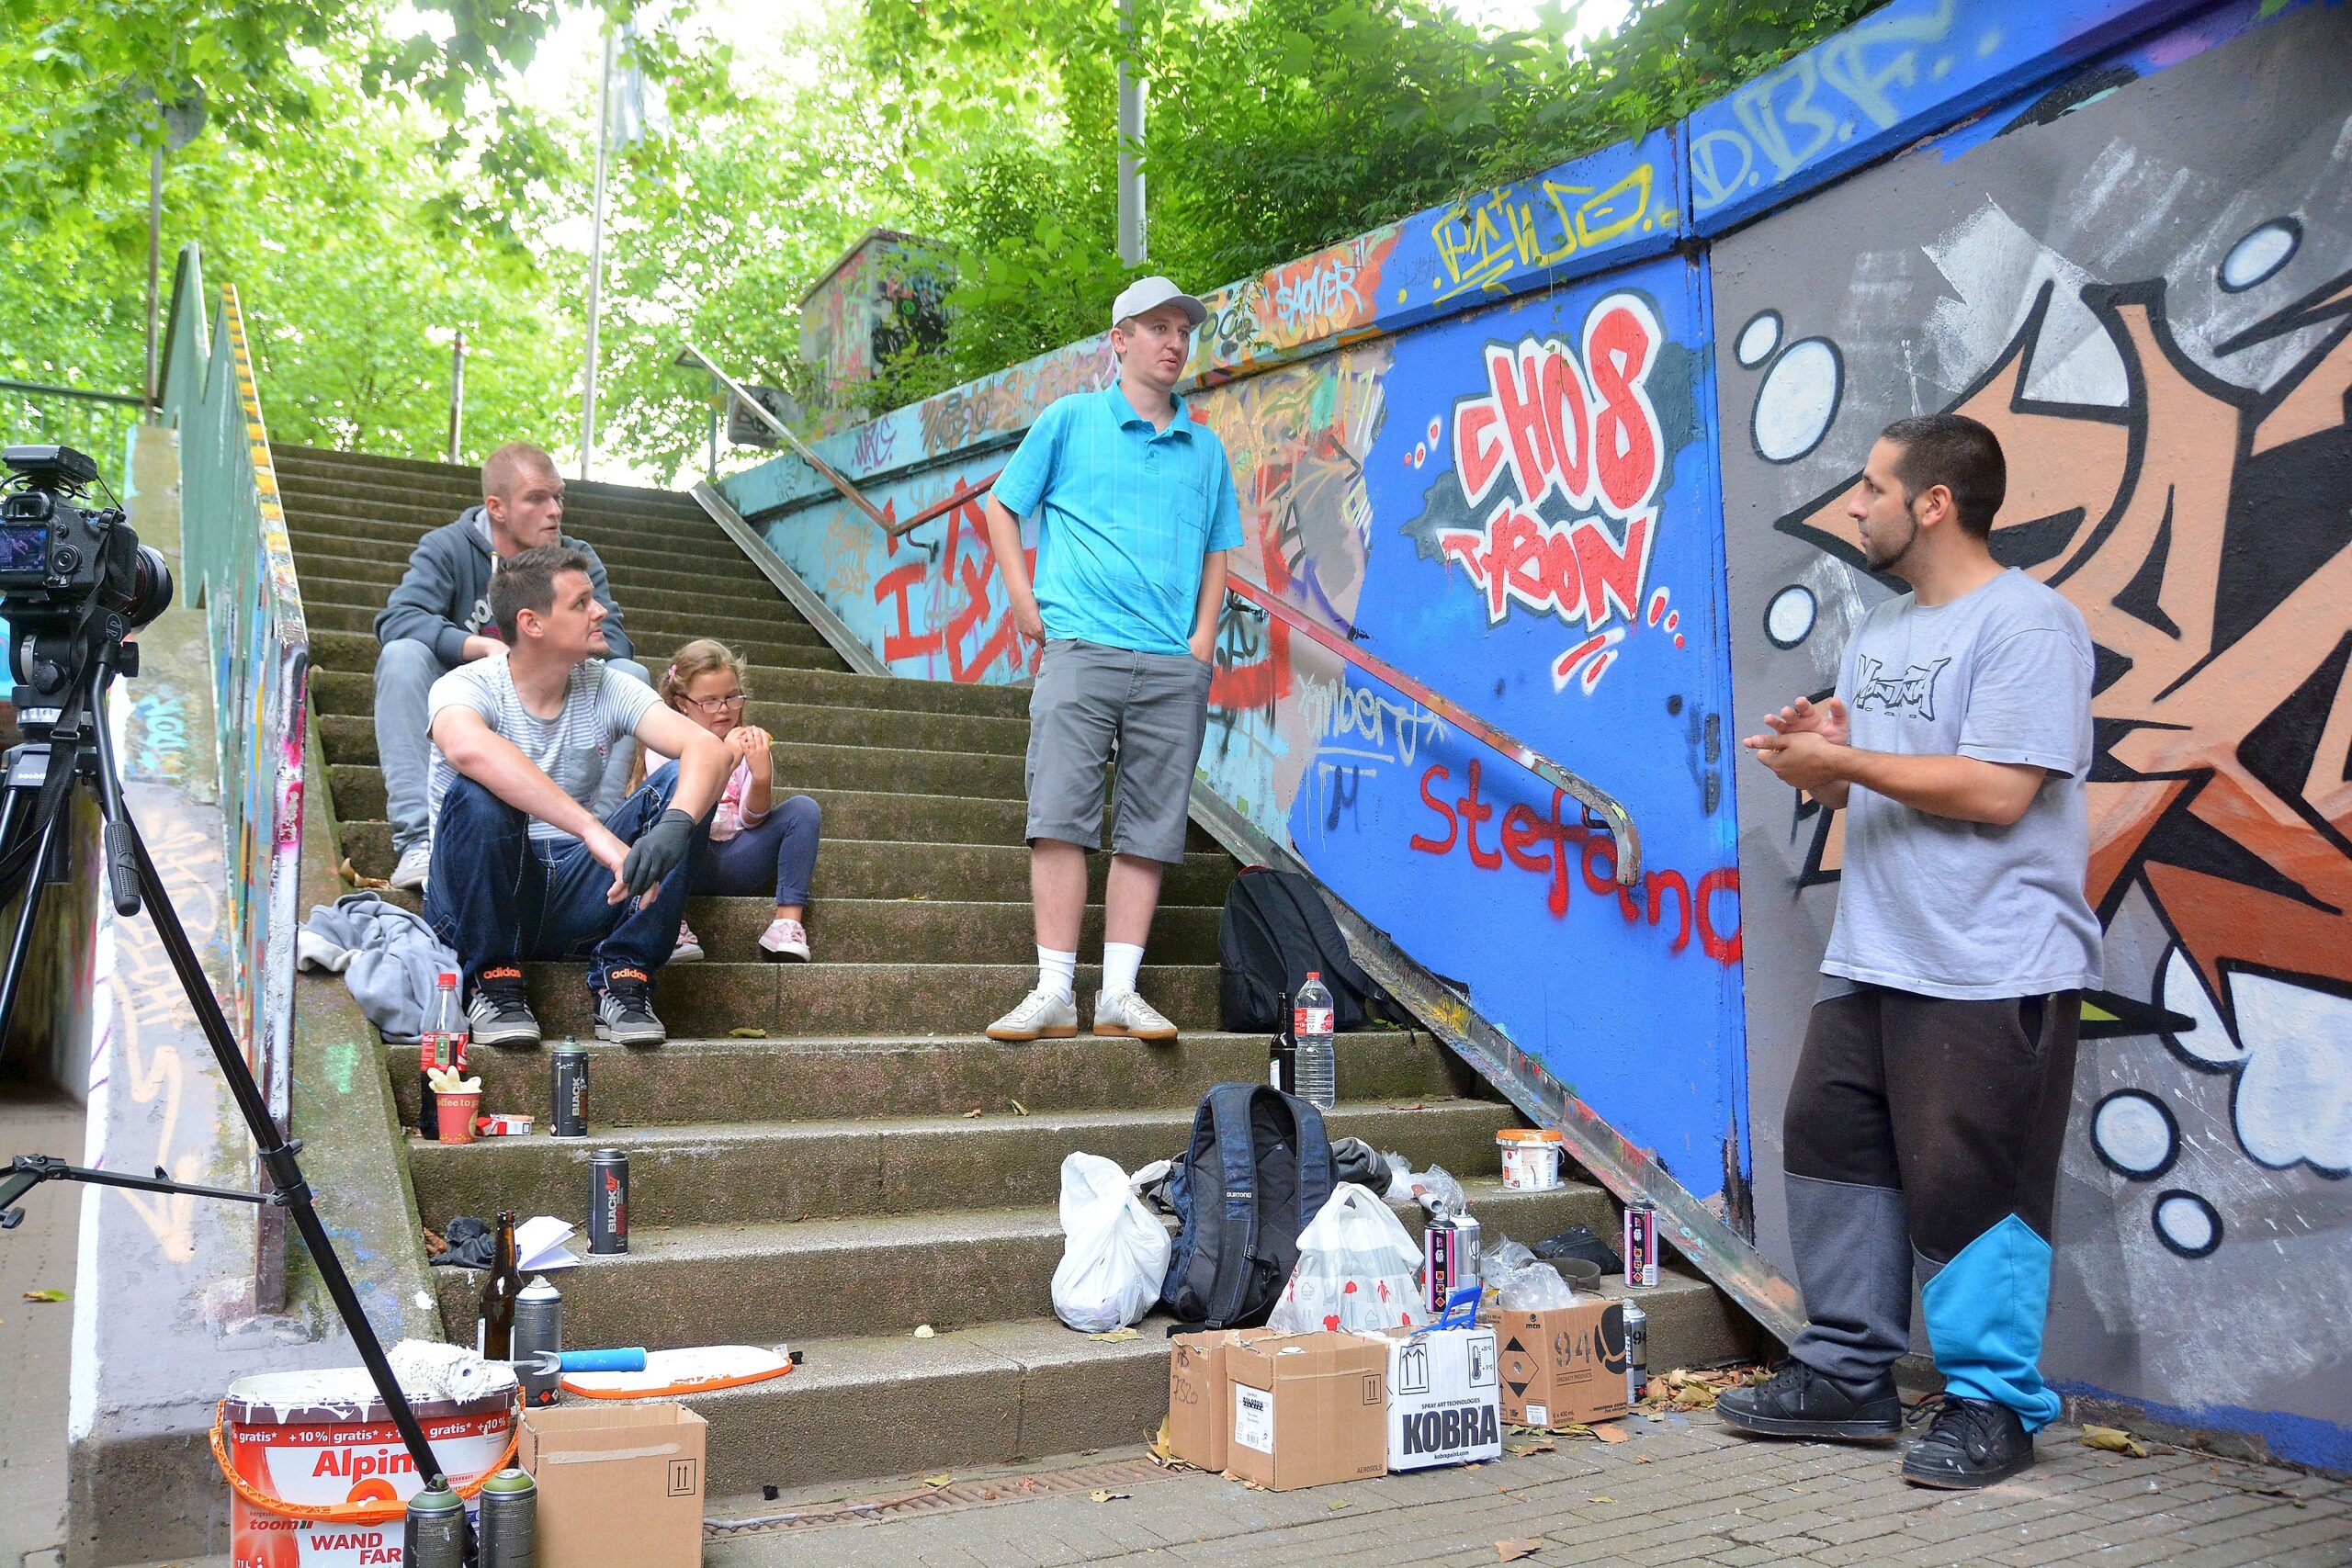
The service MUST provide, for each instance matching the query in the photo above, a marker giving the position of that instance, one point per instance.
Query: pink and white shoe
(786, 941)
(689, 948)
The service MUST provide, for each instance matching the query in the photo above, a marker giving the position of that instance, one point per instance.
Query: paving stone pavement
(1681, 1491)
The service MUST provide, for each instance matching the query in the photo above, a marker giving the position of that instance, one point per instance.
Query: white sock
(1120, 961)
(1056, 971)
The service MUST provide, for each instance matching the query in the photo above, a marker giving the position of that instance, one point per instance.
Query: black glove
(657, 852)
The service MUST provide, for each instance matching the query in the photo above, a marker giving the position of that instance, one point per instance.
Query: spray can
(1449, 1255)
(510, 1520)
(539, 1325)
(1640, 1243)
(433, 1535)
(1637, 1352)
(607, 1201)
(568, 1092)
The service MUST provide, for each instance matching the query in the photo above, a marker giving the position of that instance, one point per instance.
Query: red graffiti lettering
(1550, 845)
(905, 642)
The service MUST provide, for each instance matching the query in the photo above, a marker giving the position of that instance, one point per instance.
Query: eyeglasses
(716, 704)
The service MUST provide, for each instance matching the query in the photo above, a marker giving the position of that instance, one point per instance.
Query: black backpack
(1276, 927)
(1257, 1168)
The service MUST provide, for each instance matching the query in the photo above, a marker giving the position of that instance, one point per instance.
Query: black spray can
(434, 1533)
(539, 1326)
(567, 1091)
(607, 1201)
(510, 1520)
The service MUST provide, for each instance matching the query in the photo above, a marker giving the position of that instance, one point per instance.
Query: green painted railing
(236, 563)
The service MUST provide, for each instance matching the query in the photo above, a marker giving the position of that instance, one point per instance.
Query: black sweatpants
(1919, 1127)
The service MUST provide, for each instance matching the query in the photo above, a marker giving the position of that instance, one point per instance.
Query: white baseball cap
(1148, 293)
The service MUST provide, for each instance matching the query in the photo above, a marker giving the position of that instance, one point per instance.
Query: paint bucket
(317, 1475)
(1531, 1158)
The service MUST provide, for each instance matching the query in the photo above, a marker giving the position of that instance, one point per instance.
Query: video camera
(69, 579)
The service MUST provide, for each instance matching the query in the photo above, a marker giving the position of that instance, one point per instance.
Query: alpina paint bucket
(1531, 1158)
(318, 1473)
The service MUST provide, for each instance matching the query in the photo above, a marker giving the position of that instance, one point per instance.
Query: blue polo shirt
(1126, 514)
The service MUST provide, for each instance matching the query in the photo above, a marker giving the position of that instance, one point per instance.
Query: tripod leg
(20, 944)
(276, 1154)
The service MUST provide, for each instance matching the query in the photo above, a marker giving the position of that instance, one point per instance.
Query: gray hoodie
(444, 598)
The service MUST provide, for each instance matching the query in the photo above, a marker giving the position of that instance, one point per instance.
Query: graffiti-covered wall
(2141, 278)
(1570, 454)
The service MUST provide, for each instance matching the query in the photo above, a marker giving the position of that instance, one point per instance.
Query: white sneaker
(786, 940)
(1042, 1015)
(1129, 1016)
(417, 864)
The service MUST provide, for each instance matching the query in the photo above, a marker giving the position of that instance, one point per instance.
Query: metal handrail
(1614, 819)
(39, 389)
(825, 470)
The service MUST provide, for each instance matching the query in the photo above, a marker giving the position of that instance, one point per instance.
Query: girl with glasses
(755, 843)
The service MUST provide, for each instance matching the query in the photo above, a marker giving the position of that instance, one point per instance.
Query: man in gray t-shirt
(1926, 1117)
(522, 868)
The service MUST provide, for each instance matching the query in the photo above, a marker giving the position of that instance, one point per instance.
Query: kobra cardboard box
(1307, 1409)
(1565, 1365)
(1443, 1405)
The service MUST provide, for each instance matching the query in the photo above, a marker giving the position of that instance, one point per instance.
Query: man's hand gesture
(1802, 717)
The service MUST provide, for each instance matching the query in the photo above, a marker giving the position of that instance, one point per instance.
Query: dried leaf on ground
(1601, 1499)
(1161, 1454)
(1336, 1505)
(1104, 1494)
(2114, 1441)
(1512, 1550)
(1539, 1446)
(436, 1244)
(351, 875)
(1609, 1432)
(1416, 1105)
(1641, 1458)
(1116, 1336)
(747, 1032)
(936, 1481)
(1018, 1109)
(51, 1295)
(922, 1331)
(972, 1112)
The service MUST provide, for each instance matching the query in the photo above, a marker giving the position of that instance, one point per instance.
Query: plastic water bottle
(442, 1043)
(1311, 1027)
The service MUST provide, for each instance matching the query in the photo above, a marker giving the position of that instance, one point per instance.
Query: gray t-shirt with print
(1965, 910)
(599, 708)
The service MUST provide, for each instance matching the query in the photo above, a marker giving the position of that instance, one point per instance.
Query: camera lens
(151, 593)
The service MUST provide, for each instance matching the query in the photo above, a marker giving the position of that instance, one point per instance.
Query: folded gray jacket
(389, 958)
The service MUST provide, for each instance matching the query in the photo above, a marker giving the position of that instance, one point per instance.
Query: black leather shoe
(1973, 1443)
(1797, 1402)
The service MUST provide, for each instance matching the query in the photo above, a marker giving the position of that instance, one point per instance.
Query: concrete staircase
(866, 1162)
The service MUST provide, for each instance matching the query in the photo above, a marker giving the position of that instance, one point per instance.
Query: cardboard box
(1200, 1393)
(619, 1481)
(1442, 1398)
(1307, 1409)
(1567, 1364)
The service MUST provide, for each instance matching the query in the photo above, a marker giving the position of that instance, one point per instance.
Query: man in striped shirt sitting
(521, 868)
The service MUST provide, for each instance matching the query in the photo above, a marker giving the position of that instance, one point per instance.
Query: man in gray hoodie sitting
(439, 618)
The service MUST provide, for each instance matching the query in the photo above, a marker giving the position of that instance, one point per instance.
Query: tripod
(66, 744)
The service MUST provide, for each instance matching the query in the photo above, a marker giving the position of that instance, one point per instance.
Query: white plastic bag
(1356, 1267)
(1537, 1287)
(1116, 1257)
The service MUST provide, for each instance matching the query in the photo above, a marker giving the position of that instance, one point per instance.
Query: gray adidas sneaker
(1042, 1015)
(1127, 1016)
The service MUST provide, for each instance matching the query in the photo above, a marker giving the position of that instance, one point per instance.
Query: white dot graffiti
(2186, 1223)
(2260, 254)
(2135, 1133)
(1797, 402)
(1789, 619)
(1759, 338)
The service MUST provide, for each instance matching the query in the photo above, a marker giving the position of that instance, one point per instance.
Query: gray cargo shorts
(1153, 707)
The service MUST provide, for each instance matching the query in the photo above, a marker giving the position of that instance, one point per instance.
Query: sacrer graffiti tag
(1571, 438)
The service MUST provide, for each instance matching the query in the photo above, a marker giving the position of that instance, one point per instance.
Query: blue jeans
(498, 897)
(405, 671)
(781, 847)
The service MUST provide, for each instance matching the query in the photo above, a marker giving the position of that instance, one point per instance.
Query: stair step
(657, 622)
(355, 652)
(719, 1284)
(364, 502)
(892, 1405)
(382, 566)
(411, 476)
(798, 766)
(354, 692)
(719, 1173)
(842, 1078)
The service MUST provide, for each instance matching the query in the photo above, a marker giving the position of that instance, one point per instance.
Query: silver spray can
(1637, 1352)
(510, 1520)
(1449, 1257)
(1640, 1243)
(539, 1325)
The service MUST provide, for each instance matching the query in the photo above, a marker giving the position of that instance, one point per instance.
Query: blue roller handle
(630, 1360)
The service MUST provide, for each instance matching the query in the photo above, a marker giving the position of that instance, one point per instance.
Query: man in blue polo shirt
(1136, 509)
